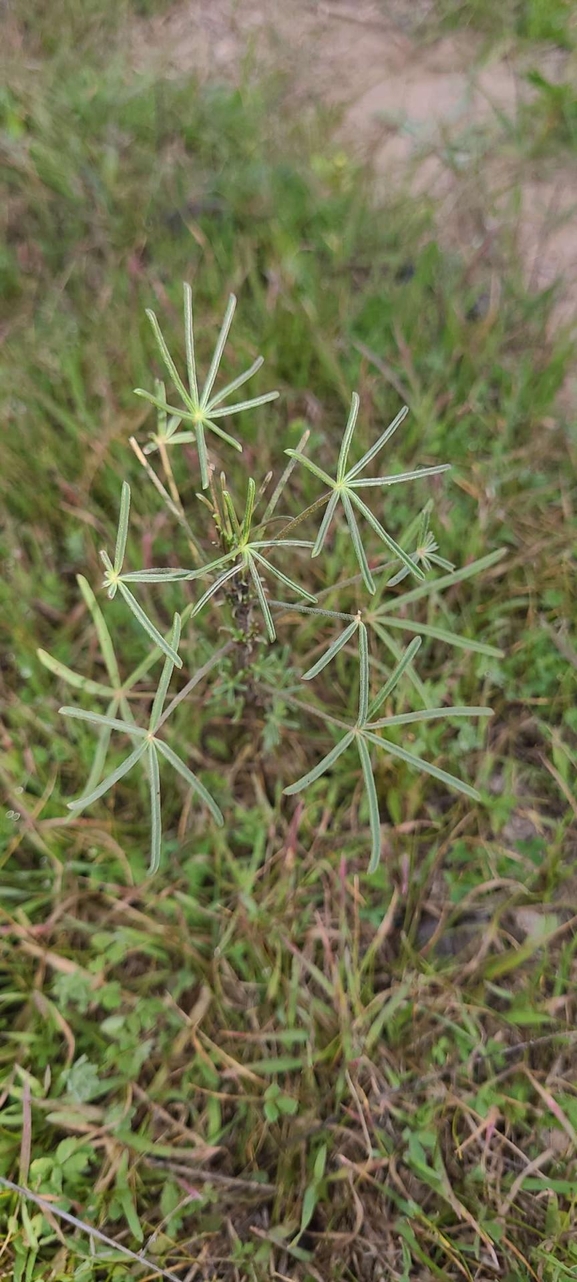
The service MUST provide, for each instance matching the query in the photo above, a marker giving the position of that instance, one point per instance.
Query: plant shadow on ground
(264, 1063)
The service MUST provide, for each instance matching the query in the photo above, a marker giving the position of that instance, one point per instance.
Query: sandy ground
(431, 115)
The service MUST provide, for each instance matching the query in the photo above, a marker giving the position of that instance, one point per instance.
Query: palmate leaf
(200, 408)
(364, 733)
(115, 693)
(148, 748)
(247, 557)
(343, 488)
(115, 581)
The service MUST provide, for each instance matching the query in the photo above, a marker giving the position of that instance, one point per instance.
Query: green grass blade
(446, 581)
(72, 678)
(404, 662)
(333, 649)
(322, 766)
(171, 367)
(312, 467)
(430, 714)
(386, 436)
(386, 538)
(87, 799)
(148, 626)
(441, 634)
(155, 813)
(358, 543)
(283, 578)
(418, 763)
(234, 386)
(104, 637)
(325, 523)
(122, 533)
(364, 674)
(167, 671)
(189, 341)
(400, 477)
(374, 816)
(192, 780)
(259, 589)
(348, 436)
(101, 719)
(244, 405)
(218, 351)
(214, 587)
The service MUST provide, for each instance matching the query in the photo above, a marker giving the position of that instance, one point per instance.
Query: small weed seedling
(240, 579)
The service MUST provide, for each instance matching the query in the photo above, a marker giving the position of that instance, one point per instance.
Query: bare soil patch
(431, 115)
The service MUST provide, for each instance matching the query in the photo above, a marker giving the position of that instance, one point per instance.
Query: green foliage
(555, 111)
(238, 573)
(263, 1000)
(552, 20)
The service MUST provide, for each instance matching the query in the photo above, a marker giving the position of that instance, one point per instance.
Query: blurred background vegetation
(263, 1063)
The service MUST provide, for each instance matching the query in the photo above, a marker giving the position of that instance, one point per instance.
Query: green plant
(554, 110)
(241, 574)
